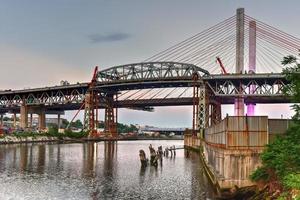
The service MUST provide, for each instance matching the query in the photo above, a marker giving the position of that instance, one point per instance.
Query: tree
(64, 123)
(292, 74)
(281, 159)
(77, 124)
(5, 118)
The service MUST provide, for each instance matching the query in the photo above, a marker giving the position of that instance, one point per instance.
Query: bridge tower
(240, 17)
(206, 108)
(91, 104)
(91, 113)
(197, 116)
(110, 123)
(252, 62)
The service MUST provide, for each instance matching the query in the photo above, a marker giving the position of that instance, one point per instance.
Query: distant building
(49, 121)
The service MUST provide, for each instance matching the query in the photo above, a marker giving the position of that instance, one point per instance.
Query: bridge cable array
(219, 40)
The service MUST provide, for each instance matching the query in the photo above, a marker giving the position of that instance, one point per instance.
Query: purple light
(250, 109)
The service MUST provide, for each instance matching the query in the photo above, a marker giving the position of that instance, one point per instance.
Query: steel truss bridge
(190, 66)
(268, 87)
(219, 89)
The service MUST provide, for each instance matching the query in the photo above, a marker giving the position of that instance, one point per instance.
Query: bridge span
(114, 82)
(268, 89)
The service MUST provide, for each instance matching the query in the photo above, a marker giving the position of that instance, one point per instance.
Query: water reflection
(106, 170)
(90, 151)
(23, 157)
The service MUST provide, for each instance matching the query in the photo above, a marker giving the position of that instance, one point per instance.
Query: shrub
(71, 134)
(292, 181)
(260, 173)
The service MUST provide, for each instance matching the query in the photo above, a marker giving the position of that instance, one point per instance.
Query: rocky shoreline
(33, 139)
(15, 140)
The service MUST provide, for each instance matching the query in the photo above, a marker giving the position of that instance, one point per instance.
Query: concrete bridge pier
(31, 119)
(1, 120)
(42, 118)
(25, 110)
(58, 121)
(15, 119)
(24, 116)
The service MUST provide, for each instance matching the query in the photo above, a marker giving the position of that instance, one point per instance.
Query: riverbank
(13, 139)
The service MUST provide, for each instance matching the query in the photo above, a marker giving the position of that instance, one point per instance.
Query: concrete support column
(1, 120)
(15, 120)
(58, 121)
(24, 116)
(252, 62)
(42, 119)
(239, 102)
(31, 120)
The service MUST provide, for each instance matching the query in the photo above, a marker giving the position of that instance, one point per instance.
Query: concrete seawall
(231, 167)
(231, 149)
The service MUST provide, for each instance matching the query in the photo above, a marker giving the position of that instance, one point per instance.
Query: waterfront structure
(185, 65)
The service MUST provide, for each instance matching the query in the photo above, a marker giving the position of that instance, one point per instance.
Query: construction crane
(221, 65)
(90, 105)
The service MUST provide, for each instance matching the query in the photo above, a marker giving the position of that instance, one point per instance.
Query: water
(98, 171)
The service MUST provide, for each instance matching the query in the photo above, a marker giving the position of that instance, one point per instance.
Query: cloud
(112, 37)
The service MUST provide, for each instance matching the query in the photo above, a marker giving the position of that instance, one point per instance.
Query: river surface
(102, 170)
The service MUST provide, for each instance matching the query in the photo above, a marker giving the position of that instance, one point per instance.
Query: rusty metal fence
(239, 132)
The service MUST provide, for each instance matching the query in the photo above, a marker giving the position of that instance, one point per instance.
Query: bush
(280, 159)
(24, 134)
(260, 173)
(292, 181)
(71, 134)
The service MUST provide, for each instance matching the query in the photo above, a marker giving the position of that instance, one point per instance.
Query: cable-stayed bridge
(250, 52)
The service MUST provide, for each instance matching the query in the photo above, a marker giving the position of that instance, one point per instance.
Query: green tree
(64, 123)
(5, 118)
(281, 159)
(77, 124)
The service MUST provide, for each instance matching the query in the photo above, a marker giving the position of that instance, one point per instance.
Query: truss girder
(44, 98)
(265, 88)
(251, 88)
(150, 70)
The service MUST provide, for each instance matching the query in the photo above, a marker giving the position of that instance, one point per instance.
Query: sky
(43, 42)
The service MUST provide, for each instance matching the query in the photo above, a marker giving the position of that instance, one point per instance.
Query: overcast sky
(43, 42)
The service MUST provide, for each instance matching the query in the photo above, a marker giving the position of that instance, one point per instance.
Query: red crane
(222, 66)
(90, 104)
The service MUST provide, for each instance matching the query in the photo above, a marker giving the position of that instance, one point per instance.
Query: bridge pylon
(111, 113)
(91, 113)
(91, 104)
(206, 107)
(240, 20)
